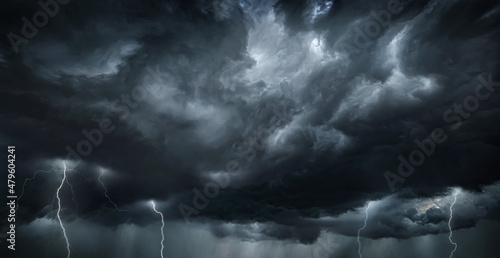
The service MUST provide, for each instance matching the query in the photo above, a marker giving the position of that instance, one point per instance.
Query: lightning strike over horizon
(162, 226)
(359, 230)
(59, 209)
(449, 224)
(55, 195)
(35, 175)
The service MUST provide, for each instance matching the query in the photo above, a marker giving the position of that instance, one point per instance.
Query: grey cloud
(223, 69)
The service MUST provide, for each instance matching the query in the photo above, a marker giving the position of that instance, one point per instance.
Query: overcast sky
(258, 128)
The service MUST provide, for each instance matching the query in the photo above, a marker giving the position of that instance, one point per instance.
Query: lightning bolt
(162, 226)
(51, 207)
(449, 223)
(359, 230)
(59, 209)
(22, 191)
(74, 196)
(46, 171)
(65, 179)
(106, 193)
(32, 178)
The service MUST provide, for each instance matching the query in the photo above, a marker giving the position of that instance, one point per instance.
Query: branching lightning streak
(106, 193)
(359, 230)
(449, 224)
(24, 185)
(32, 178)
(59, 209)
(44, 171)
(64, 180)
(162, 226)
(74, 196)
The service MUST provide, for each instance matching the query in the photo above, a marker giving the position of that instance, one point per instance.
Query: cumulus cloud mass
(280, 128)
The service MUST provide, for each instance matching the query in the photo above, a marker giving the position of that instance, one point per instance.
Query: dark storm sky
(280, 88)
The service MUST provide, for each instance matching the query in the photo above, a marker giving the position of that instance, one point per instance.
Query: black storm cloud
(257, 128)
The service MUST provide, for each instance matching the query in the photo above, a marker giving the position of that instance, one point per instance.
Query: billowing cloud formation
(265, 120)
